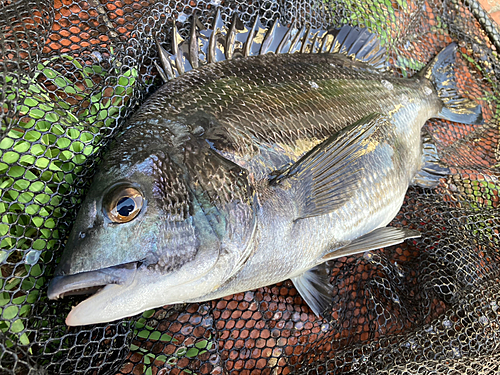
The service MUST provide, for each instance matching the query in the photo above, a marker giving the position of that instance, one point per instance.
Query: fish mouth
(91, 282)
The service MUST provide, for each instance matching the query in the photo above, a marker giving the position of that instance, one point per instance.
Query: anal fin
(380, 237)
(432, 170)
(315, 288)
(314, 284)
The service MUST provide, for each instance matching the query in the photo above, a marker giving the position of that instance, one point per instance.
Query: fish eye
(123, 204)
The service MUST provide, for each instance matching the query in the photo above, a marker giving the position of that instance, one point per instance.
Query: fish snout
(91, 282)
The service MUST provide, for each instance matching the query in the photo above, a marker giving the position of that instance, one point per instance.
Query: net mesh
(71, 71)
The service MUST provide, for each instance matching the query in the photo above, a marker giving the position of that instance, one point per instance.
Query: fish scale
(303, 111)
(256, 169)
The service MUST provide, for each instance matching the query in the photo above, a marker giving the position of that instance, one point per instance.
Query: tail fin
(441, 72)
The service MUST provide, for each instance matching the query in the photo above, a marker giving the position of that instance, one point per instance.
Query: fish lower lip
(77, 292)
(90, 282)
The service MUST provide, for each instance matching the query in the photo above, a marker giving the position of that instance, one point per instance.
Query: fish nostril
(81, 235)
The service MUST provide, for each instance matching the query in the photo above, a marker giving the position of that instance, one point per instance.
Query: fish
(267, 153)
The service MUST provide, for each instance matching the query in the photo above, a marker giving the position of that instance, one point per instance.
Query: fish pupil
(125, 206)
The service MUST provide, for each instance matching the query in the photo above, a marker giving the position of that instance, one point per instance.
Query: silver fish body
(247, 172)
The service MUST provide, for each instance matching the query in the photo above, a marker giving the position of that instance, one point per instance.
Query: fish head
(144, 203)
(150, 232)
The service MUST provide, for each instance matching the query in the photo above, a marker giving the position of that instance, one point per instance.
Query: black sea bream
(266, 154)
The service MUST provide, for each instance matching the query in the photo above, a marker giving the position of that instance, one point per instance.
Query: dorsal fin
(237, 40)
(360, 45)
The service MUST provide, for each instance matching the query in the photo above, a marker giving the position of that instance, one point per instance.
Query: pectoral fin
(380, 237)
(315, 288)
(329, 174)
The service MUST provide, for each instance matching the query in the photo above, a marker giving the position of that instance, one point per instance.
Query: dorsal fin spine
(295, 42)
(269, 38)
(285, 39)
(324, 40)
(194, 54)
(303, 48)
(179, 64)
(202, 47)
(163, 76)
(251, 36)
(165, 62)
(313, 42)
(211, 53)
(230, 38)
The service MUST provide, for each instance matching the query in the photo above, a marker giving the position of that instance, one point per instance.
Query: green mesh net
(72, 71)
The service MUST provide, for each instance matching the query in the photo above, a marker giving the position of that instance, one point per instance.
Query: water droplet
(299, 326)
(387, 84)
(395, 298)
(314, 85)
(411, 344)
(214, 359)
(32, 257)
(404, 99)
(203, 309)
(195, 319)
(97, 56)
(368, 255)
(494, 306)
(447, 323)
(431, 330)
(277, 352)
(182, 17)
(355, 364)
(198, 131)
(272, 362)
(207, 322)
(81, 235)
(325, 327)
(483, 320)
(427, 90)
(399, 270)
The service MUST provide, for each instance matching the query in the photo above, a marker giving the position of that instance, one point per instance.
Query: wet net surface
(72, 71)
